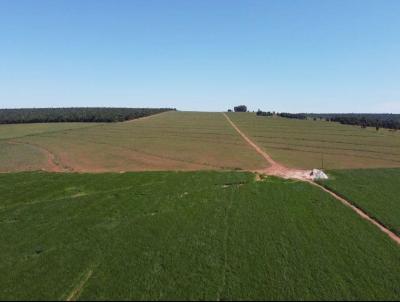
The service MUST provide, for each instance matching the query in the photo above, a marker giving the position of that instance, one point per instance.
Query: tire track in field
(6, 139)
(225, 249)
(154, 156)
(329, 153)
(74, 295)
(321, 141)
(279, 170)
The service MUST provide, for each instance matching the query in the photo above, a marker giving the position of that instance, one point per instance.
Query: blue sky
(296, 56)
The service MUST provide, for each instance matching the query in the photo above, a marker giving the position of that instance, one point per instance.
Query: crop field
(185, 235)
(315, 144)
(376, 191)
(194, 141)
(20, 130)
(168, 141)
(199, 150)
(182, 227)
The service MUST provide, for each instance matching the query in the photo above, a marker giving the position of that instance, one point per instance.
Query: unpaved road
(274, 169)
(277, 169)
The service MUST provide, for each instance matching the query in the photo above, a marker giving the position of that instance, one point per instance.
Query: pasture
(315, 144)
(376, 191)
(186, 235)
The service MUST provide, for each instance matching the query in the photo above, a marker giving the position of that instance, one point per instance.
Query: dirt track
(274, 169)
(279, 170)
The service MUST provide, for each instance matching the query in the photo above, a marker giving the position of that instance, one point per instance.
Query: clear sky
(296, 56)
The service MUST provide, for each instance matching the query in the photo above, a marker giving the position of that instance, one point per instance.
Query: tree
(240, 108)
(263, 113)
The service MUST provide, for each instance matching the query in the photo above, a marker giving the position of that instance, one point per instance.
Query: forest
(87, 114)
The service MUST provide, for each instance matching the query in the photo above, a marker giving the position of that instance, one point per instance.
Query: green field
(186, 235)
(312, 144)
(376, 191)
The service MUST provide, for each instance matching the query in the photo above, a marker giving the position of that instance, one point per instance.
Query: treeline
(377, 120)
(364, 120)
(89, 115)
(264, 113)
(300, 116)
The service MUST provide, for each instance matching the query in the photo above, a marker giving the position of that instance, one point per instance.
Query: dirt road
(276, 169)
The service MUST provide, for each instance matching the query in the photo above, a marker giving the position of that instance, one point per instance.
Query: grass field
(376, 191)
(169, 141)
(304, 143)
(186, 235)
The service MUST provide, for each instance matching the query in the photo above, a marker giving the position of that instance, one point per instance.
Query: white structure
(318, 174)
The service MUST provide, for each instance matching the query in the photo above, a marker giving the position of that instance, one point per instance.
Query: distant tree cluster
(365, 122)
(240, 108)
(389, 121)
(264, 113)
(58, 115)
(300, 116)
